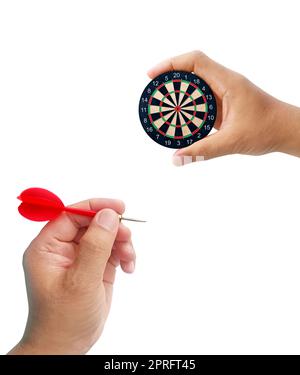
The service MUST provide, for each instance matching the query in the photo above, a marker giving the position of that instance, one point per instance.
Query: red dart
(42, 205)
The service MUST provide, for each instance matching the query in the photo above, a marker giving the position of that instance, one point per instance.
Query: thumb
(96, 244)
(217, 144)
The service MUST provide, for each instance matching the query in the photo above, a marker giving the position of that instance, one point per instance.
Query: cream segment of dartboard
(188, 115)
(171, 131)
(199, 108)
(186, 131)
(182, 121)
(183, 87)
(195, 95)
(159, 122)
(186, 101)
(170, 87)
(154, 109)
(159, 96)
(173, 122)
(197, 121)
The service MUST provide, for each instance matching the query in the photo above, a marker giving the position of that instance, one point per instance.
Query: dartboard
(177, 109)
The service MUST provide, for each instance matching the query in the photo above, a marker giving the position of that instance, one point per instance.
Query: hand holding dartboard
(177, 109)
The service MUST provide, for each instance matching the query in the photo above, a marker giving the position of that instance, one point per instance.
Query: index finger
(66, 226)
(216, 75)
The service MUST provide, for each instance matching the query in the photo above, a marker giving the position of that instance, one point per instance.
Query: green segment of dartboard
(182, 125)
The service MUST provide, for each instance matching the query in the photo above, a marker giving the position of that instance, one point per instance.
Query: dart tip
(131, 219)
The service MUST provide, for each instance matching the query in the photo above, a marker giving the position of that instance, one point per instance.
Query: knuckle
(128, 232)
(239, 80)
(28, 253)
(134, 255)
(25, 258)
(173, 62)
(129, 252)
(199, 59)
(124, 233)
(197, 54)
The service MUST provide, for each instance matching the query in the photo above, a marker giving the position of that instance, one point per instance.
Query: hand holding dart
(42, 205)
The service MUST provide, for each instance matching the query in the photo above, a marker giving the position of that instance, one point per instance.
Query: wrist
(47, 347)
(288, 120)
(27, 348)
(24, 348)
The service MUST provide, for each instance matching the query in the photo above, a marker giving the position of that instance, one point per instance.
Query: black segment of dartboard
(177, 109)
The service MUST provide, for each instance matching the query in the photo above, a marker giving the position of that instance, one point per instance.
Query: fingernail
(186, 159)
(130, 267)
(177, 161)
(108, 220)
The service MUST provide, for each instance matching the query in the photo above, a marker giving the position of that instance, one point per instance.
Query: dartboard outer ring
(177, 109)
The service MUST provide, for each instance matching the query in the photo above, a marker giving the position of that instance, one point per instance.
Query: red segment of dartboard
(177, 109)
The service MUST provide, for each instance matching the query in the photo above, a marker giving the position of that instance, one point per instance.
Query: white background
(218, 261)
